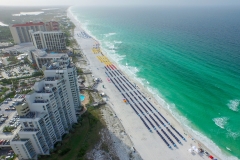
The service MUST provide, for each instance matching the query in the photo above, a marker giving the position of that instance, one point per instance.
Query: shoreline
(145, 91)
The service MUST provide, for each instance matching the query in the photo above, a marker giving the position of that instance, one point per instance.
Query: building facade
(49, 111)
(53, 40)
(52, 26)
(20, 32)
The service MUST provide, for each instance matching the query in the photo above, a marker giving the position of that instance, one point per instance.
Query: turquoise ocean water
(189, 58)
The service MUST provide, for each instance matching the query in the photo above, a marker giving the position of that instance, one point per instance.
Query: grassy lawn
(4, 89)
(82, 139)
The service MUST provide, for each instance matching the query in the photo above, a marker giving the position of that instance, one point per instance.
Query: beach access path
(148, 144)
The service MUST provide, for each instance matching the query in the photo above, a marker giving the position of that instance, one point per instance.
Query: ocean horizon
(188, 58)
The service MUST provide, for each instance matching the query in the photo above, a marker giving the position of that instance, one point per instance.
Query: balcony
(40, 101)
(17, 138)
(29, 115)
(29, 130)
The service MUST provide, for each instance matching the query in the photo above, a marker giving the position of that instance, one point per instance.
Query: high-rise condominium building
(20, 32)
(54, 40)
(49, 110)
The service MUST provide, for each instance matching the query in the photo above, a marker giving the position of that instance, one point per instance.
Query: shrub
(8, 129)
(59, 152)
(64, 151)
(72, 130)
(82, 152)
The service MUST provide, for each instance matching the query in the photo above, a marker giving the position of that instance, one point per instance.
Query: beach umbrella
(194, 147)
(197, 150)
(211, 157)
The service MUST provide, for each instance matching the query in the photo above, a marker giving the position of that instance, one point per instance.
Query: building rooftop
(6, 44)
(29, 129)
(23, 47)
(46, 89)
(32, 115)
(39, 52)
(47, 55)
(52, 78)
(17, 138)
(28, 24)
(29, 115)
(46, 32)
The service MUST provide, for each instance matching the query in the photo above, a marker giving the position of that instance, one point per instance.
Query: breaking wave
(234, 104)
(109, 34)
(119, 42)
(221, 121)
(232, 134)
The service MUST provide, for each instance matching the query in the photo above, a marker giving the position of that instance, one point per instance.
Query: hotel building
(20, 32)
(54, 40)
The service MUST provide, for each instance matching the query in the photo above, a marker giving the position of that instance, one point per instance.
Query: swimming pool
(82, 97)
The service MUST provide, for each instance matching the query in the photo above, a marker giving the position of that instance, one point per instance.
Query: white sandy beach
(149, 145)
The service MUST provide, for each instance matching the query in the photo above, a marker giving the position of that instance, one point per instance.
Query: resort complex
(67, 95)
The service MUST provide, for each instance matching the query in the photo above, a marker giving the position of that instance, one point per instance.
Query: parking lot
(6, 153)
(17, 71)
(10, 119)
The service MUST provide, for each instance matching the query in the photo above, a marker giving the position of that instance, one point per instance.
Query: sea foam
(118, 42)
(234, 104)
(188, 126)
(109, 34)
(110, 45)
(232, 134)
(220, 121)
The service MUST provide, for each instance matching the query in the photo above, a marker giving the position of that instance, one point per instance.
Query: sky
(118, 2)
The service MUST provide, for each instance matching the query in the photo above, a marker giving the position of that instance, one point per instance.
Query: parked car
(4, 142)
(1, 141)
(6, 116)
